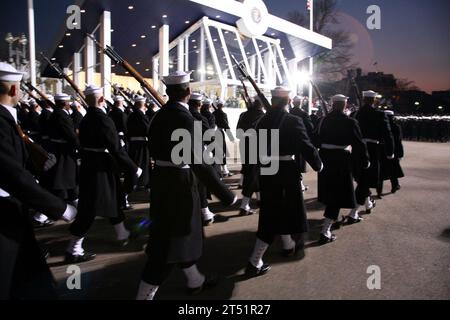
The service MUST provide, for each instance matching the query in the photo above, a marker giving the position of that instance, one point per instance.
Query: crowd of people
(425, 128)
(100, 153)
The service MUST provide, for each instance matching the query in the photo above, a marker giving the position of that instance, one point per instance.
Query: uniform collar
(184, 104)
(12, 111)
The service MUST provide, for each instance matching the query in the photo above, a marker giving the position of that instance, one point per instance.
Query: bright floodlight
(302, 77)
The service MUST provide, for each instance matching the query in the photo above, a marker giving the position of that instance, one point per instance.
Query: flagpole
(311, 59)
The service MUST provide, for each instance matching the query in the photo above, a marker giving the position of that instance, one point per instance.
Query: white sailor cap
(9, 73)
(339, 97)
(92, 90)
(220, 102)
(118, 98)
(281, 92)
(369, 94)
(50, 97)
(207, 101)
(297, 98)
(196, 96)
(177, 77)
(139, 99)
(62, 97)
(75, 104)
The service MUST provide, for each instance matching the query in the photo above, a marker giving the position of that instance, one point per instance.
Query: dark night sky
(413, 42)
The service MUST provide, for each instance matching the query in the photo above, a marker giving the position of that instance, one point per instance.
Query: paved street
(407, 236)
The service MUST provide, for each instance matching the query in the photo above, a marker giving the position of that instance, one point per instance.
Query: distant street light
(417, 103)
(440, 107)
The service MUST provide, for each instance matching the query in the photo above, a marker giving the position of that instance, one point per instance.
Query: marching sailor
(64, 144)
(340, 141)
(282, 210)
(223, 128)
(119, 118)
(138, 125)
(24, 273)
(392, 170)
(247, 123)
(376, 131)
(102, 160)
(176, 232)
(195, 104)
(299, 112)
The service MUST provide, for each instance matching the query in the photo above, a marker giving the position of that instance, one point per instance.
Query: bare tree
(331, 65)
(406, 85)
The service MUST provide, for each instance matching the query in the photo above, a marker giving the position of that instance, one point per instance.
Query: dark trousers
(380, 187)
(83, 223)
(269, 237)
(332, 212)
(66, 194)
(157, 271)
(25, 274)
(203, 194)
(394, 182)
(362, 191)
(266, 236)
(250, 182)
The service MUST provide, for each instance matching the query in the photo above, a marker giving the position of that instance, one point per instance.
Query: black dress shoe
(244, 213)
(45, 252)
(124, 243)
(70, 258)
(46, 223)
(252, 271)
(351, 220)
(211, 281)
(292, 252)
(395, 189)
(324, 239)
(207, 223)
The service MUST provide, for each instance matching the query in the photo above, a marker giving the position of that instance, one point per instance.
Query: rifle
(117, 89)
(64, 76)
(245, 95)
(324, 104)
(41, 159)
(247, 76)
(39, 92)
(114, 56)
(27, 91)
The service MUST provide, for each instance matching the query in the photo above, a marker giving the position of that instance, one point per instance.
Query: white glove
(70, 213)
(139, 172)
